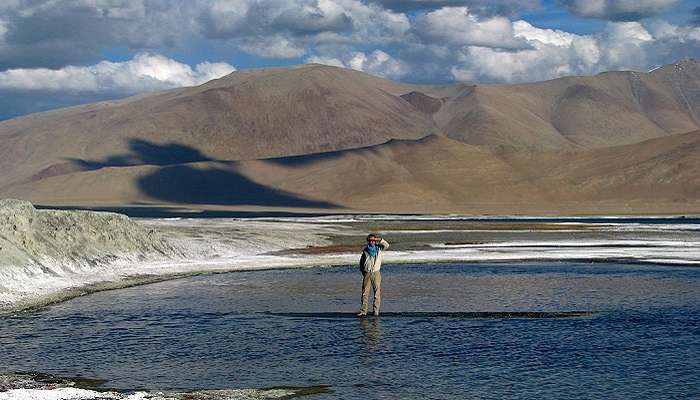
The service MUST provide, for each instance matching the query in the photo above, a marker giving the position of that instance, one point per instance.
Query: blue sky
(64, 52)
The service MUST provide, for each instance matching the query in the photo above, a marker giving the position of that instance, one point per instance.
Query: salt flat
(234, 244)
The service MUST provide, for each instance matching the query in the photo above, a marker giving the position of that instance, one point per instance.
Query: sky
(57, 53)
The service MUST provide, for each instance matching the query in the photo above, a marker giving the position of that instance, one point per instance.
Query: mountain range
(321, 138)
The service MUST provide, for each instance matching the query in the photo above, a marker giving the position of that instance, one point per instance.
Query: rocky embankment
(45, 251)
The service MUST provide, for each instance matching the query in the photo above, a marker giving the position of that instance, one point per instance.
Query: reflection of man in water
(370, 264)
(371, 333)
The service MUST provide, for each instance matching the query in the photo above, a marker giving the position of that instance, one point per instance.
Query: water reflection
(372, 333)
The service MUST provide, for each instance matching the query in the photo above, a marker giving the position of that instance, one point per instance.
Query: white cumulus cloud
(145, 72)
(333, 62)
(554, 53)
(376, 63)
(456, 25)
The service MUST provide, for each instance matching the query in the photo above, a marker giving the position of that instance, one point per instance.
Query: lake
(461, 330)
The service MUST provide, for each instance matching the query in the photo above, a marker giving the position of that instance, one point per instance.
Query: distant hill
(326, 138)
(604, 110)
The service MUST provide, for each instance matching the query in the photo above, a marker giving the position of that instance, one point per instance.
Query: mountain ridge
(301, 136)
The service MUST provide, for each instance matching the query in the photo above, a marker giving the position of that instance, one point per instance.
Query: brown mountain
(249, 114)
(326, 138)
(597, 111)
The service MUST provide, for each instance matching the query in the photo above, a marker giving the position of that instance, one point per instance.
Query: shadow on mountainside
(217, 185)
(307, 159)
(144, 152)
(179, 181)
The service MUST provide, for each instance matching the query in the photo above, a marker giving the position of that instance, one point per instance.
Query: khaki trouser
(375, 279)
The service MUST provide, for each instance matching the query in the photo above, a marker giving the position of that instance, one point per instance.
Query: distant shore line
(184, 212)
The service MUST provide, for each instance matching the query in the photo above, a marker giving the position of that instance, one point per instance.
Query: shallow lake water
(295, 328)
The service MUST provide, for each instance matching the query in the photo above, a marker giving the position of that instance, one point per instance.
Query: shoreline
(196, 211)
(214, 246)
(48, 300)
(38, 385)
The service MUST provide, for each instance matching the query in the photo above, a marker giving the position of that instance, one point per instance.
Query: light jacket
(373, 264)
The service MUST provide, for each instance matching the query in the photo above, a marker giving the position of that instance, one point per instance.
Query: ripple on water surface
(448, 331)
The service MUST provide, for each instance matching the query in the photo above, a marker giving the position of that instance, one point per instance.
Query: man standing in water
(370, 264)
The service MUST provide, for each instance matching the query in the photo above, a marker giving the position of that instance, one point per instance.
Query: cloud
(662, 30)
(60, 43)
(550, 57)
(457, 26)
(286, 28)
(52, 34)
(554, 53)
(478, 7)
(333, 62)
(224, 19)
(145, 72)
(56, 33)
(451, 43)
(276, 46)
(376, 63)
(310, 18)
(618, 10)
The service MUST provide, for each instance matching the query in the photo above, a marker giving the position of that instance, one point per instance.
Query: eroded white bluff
(43, 243)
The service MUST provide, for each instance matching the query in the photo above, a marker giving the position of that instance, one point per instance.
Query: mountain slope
(432, 174)
(320, 137)
(437, 173)
(578, 112)
(315, 108)
(263, 113)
